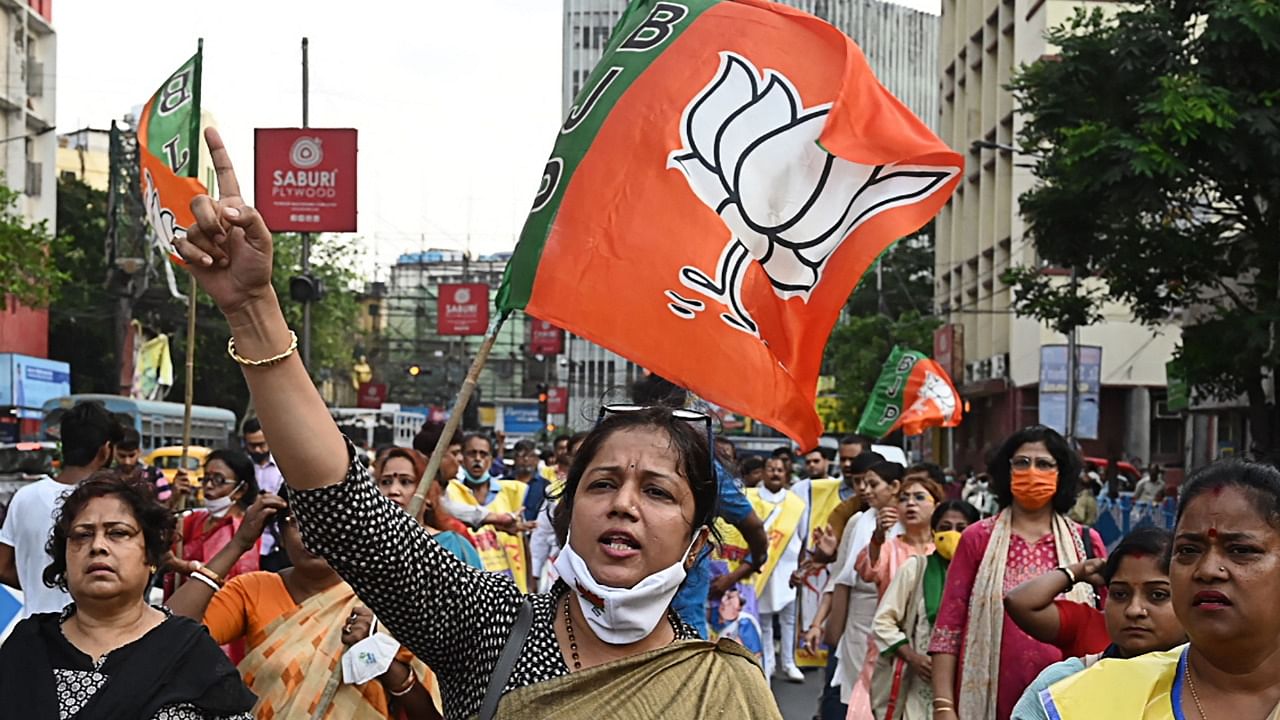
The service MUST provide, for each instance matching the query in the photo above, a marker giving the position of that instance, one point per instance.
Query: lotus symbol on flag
(751, 153)
(938, 391)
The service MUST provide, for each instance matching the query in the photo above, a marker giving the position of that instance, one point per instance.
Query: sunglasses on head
(692, 416)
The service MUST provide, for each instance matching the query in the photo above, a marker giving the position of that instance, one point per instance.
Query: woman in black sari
(109, 654)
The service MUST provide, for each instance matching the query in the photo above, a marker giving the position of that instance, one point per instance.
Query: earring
(153, 569)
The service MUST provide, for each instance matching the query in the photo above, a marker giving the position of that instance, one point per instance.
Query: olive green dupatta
(686, 680)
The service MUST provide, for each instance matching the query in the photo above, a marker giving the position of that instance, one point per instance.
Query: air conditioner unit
(1000, 366)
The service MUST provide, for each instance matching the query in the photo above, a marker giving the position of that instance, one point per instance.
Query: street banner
(724, 179)
(545, 338)
(371, 395)
(557, 399)
(912, 393)
(1053, 389)
(152, 367)
(169, 149)
(305, 178)
(463, 309)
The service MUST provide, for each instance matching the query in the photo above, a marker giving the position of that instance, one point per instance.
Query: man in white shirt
(87, 432)
(267, 473)
(778, 597)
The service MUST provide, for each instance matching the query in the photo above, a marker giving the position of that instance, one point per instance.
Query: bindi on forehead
(1213, 533)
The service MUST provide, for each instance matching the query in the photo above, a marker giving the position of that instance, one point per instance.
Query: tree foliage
(898, 313)
(82, 319)
(28, 255)
(1157, 136)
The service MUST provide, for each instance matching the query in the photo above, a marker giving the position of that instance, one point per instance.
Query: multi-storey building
(28, 50)
(901, 47)
(980, 234)
(423, 367)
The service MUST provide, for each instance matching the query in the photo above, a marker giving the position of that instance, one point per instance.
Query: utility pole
(1073, 370)
(306, 237)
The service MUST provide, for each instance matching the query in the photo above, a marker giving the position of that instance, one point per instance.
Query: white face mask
(620, 616)
(218, 507)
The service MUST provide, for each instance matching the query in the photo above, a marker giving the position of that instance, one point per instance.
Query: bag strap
(507, 661)
(1089, 553)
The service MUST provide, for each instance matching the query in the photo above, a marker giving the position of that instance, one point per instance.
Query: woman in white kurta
(900, 688)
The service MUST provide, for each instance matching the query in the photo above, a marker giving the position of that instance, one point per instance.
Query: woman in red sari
(230, 487)
(982, 661)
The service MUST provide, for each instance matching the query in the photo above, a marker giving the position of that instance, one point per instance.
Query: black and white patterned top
(453, 617)
(76, 686)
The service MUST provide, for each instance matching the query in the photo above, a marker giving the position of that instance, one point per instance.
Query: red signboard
(463, 309)
(557, 399)
(948, 350)
(545, 338)
(305, 179)
(371, 395)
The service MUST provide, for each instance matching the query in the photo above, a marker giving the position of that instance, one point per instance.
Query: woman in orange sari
(298, 626)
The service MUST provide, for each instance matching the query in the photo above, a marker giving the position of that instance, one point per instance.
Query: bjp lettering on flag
(169, 149)
(727, 175)
(912, 393)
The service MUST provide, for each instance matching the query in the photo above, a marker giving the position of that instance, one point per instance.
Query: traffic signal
(306, 288)
(542, 402)
(414, 370)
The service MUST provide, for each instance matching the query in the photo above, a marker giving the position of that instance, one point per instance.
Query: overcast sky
(457, 103)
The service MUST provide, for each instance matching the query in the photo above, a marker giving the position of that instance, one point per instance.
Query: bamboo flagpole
(191, 377)
(455, 418)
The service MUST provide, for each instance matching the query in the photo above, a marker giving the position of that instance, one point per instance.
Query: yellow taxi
(169, 459)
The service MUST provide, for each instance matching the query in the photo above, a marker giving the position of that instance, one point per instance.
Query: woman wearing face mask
(1138, 617)
(638, 502)
(900, 688)
(1224, 576)
(230, 487)
(397, 472)
(982, 661)
(882, 558)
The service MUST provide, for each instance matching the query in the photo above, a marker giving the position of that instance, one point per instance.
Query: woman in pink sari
(981, 660)
(230, 486)
(880, 560)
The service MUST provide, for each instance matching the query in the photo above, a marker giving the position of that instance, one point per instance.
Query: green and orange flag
(728, 173)
(169, 147)
(912, 393)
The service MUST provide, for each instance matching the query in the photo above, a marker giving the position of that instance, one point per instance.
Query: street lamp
(1072, 361)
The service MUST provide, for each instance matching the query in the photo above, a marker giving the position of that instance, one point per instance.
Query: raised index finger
(228, 185)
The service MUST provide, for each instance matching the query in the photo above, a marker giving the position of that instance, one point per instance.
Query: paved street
(799, 701)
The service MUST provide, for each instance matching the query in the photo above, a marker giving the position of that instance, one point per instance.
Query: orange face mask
(1032, 488)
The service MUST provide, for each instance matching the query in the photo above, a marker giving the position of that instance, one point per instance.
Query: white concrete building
(980, 234)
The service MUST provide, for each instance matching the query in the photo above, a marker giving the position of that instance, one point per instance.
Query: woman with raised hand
(109, 654)
(298, 625)
(637, 507)
(1225, 578)
(982, 661)
(1138, 617)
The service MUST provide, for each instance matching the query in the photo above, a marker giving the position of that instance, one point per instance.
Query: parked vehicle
(22, 463)
(159, 423)
(169, 459)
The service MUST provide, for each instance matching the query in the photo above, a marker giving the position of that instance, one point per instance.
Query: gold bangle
(293, 347)
(203, 571)
(413, 680)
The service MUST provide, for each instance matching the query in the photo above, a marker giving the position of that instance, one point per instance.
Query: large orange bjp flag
(728, 173)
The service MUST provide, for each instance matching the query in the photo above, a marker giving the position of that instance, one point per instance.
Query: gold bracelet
(293, 347)
(413, 680)
(203, 571)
